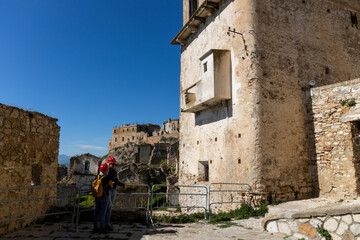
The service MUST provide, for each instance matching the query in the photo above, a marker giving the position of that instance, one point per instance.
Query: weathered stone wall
(225, 136)
(260, 136)
(297, 41)
(336, 142)
(339, 226)
(29, 148)
(62, 172)
(78, 164)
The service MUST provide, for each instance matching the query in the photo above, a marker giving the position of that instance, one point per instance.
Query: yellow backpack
(97, 187)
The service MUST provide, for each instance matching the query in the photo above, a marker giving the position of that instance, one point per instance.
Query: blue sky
(91, 64)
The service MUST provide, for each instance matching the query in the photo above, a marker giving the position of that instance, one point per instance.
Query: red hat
(111, 160)
(104, 168)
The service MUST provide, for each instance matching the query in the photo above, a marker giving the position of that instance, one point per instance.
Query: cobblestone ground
(239, 229)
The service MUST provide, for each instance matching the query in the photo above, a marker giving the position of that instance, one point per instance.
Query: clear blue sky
(91, 64)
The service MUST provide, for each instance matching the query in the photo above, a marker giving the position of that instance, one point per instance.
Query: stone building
(83, 168)
(144, 133)
(29, 149)
(246, 69)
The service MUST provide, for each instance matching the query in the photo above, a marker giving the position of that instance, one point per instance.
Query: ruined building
(83, 168)
(143, 133)
(29, 148)
(256, 97)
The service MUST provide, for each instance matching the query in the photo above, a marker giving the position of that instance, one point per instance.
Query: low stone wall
(342, 221)
(29, 148)
(339, 226)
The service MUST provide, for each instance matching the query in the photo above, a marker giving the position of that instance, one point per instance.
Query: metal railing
(228, 193)
(123, 201)
(134, 197)
(135, 200)
(83, 193)
(20, 195)
(178, 196)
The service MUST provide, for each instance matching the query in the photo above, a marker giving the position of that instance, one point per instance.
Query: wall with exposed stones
(335, 140)
(340, 227)
(297, 42)
(29, 148)
(260, 136)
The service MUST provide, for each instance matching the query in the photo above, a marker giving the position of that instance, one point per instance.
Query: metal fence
(178, 196)
(228, 193)
(133, 197)
(21, 202)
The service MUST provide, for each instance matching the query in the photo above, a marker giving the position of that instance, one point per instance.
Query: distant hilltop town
(143, 133)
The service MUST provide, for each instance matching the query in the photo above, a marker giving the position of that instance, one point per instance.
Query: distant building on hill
(143, 133)
(83, 168)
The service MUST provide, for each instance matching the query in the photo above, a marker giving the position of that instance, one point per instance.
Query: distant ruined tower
(246, 66)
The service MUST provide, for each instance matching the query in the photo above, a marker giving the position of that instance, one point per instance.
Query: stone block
(307, 229)
(331, 225)
(284, 228)
(355, 229)
(315, 222)
(342, 228)
(356, 218)
(347, 219)
(349, 236)
(335, 237)
(272, 227)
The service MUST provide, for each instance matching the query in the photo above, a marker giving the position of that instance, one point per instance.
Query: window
(203, 169)
(114, 130)
(205, 66)
(36, 171)
(123, 139)
(193, 4)
(87, 166)
(115, 139)
(133, 137)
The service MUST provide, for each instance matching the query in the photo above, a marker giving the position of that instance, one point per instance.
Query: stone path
(240, 230)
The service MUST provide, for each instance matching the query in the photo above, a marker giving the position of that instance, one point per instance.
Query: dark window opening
(36, 171)
(193, 4)
(205, 67)
(87, 166)
(123, 138)
(115, 139)
(203, 171)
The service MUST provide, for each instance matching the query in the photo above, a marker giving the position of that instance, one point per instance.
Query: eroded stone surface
(307, 229)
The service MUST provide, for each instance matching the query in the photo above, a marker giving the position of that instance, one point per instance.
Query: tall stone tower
(246, 66)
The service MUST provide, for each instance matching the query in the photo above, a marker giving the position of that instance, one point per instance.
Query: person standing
(112, 192)
(101, 203)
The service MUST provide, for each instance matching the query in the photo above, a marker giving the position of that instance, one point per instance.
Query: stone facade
(83, 169)
(259, 133)
(145, 133)
(335, 144)
(29, 148)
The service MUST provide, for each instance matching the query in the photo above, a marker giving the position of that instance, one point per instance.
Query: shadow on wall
(355, 135)
(214, 114)
(311, 143)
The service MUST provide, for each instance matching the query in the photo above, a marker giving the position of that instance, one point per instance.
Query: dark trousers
(101, 205)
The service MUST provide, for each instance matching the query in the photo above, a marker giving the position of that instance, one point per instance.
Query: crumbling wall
(336, 141)
(29, 148)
